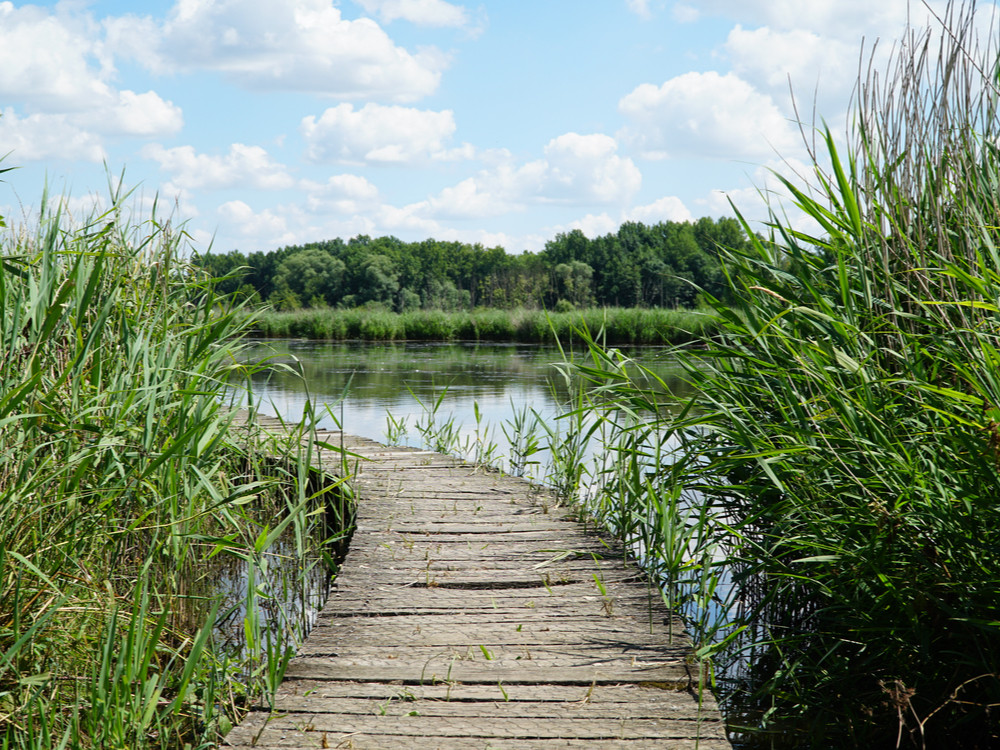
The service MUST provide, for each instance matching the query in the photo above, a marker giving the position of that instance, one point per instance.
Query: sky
(259, 124)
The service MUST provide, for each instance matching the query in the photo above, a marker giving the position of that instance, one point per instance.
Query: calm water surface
(362, 385)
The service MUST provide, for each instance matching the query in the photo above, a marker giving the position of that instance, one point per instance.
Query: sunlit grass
(839, 462)
(122, 473)
(615, 325)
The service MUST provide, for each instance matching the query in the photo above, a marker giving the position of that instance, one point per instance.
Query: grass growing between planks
(121, 476)
(619, 325)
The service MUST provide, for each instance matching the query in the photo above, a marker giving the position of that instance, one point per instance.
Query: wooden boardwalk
(471, 614)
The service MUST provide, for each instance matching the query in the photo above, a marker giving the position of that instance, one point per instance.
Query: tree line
(659, 265)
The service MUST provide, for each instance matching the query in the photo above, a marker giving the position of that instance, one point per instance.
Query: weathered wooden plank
(685, 709)
(498, 703)
(449, 630)
(560, 696)
(506, 570)
(447, 532)
(445, 670)
(530, 553)
(360, 608)
(314, 740)
(502, 531)
(553, 590)
(427, 577)
(597, 656)
(517, 645)
(421, 728)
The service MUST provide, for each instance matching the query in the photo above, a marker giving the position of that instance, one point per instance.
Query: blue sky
(263, 123)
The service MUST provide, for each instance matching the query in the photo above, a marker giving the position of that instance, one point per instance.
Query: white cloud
(244, 166)
(395, 220)
(684, 13)
(597, 225)
(668, 208)
(639, 7)
(379, 134)
(147, 114)
(465, 152)
(54, 65)
(706, 115)
(132, 37)
(296, 45)
(63, 78)
(487, 194)
(822, 47)
(587, 169)
(840, 25)
(42, 136)
(409, 219)
(577, 170)
(135, 114)
(266, 228)
(594, 225)
(343, 194)
(833, 18)
(420, 12)
(821, 71)
(488, 239)
(765, 193)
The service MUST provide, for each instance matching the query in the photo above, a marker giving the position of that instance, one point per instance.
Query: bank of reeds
(841, 459)
(618, 325)
(120, 478)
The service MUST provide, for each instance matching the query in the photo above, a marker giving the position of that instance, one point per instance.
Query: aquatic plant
(843, 445)
(619, 325)
(523, 439)
(123, 471)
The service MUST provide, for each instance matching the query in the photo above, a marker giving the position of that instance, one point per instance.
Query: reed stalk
(123, 473)
(840, 461)
(618, 325)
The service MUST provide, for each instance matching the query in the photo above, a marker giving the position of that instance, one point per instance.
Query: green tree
(568, 247)
(444, 295)
(312, 275)
(379, 281)
(574, 283)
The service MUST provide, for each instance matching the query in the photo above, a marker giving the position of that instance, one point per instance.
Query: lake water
(388, 391)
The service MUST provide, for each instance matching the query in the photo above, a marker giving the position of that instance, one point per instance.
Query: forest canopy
(660, 265)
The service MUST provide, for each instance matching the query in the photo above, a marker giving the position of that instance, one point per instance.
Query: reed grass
(122, 473)
(827, 502)
(616, 325)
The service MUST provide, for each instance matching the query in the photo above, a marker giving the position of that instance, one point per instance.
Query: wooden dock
(470, 613)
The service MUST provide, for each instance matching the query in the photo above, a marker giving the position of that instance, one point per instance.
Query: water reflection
(359, 385)
(283, 592)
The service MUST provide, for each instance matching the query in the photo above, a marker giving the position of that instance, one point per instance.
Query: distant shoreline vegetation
(614, 326)
(664, 265)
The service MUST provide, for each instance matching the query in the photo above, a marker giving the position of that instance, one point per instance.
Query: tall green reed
(523, 439)
(121, 472)
(621, 325)
(441, 435)
(843, 444)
